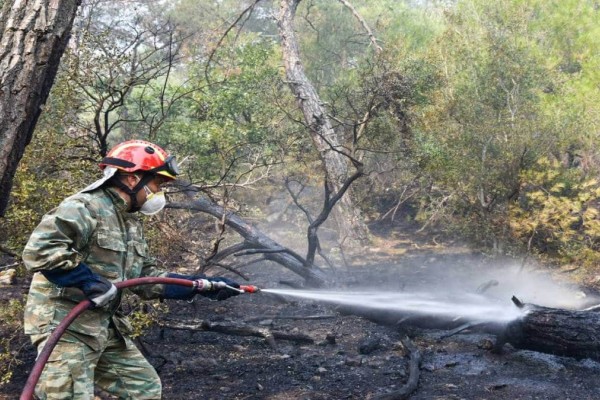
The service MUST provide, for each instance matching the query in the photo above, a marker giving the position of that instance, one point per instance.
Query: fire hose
(40, 363)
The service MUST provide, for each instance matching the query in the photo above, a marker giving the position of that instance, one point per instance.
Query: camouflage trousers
(73, 368)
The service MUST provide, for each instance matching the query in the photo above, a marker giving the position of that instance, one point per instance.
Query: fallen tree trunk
(555, 331)
(402, 319)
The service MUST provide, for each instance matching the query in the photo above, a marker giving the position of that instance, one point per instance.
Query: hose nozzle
(204, 285)
(249, 289)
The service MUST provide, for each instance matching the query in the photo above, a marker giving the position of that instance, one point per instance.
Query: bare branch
(362, 21)
(238, 329)
(296, 197)
(414, 373)
(227, 252)
(254, 238)
(259, 251)
(220, 41)
(439, 207)
(249, 263)
(233, 269)
(272, 251)
(329, 203)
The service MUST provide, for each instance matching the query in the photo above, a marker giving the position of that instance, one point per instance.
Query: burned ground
(349, 357)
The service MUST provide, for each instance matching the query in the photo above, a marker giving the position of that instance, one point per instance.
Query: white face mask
(154, 202)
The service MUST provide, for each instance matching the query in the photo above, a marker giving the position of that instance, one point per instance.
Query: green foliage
(40, 184)
(144, 315)
(489, 120)
(456, 112)
(11, 314)
(235, 123)
(333, 41)
(567, 32)
(29, 201)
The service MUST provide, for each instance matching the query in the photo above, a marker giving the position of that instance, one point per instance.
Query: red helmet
(142, 156)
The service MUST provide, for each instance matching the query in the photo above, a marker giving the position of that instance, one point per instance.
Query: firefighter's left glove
(95, 287)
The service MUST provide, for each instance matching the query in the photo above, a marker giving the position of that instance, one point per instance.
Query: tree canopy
(468, 116)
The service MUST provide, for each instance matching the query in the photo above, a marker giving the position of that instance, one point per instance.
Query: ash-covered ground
(350, 357)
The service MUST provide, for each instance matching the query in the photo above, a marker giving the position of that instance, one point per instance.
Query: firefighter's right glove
(95, 287)
(215, 288)
(219, 288)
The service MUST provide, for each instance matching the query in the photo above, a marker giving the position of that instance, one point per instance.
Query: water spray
(472, 307)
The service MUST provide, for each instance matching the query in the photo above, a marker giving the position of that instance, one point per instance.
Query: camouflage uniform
(96, 229)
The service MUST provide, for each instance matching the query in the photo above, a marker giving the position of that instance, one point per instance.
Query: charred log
(555, 331)
(293, 317)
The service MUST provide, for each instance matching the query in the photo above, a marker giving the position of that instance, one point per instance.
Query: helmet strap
(132, 192)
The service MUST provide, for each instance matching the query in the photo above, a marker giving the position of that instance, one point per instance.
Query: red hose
(35, 373)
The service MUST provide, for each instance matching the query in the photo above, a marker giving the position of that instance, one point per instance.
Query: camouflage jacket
(96, 229)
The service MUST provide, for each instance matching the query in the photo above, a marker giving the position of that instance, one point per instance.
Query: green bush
(11, 340)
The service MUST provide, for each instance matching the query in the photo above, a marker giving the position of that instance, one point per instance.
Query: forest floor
(350, 357)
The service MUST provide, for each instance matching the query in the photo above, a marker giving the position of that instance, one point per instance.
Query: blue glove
(205, 286)
(95, 287)
(222, 293)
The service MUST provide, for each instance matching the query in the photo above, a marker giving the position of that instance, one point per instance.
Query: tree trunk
(555, 331)
(34, 36)
(324, 137)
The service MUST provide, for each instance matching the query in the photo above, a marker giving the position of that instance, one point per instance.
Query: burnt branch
(295, 317)
(238, 329)
(271, 251)
(257, 251)
(252, 262)
(231, 268)
(330, 201)
(458, 330)
(254, 239)
(217, 241)
(217, 256)
(295, 195)
(414, 373)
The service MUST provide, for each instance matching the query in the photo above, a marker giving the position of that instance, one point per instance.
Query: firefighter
(91, 240)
